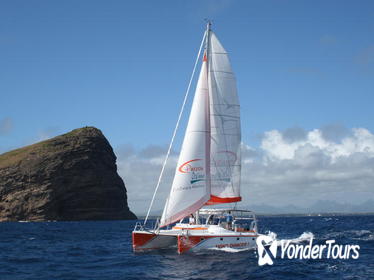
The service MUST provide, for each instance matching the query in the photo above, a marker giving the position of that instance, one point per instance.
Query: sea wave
(230, 250)
(304, 237)
(363, 234)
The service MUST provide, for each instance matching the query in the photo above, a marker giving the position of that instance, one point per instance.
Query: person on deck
(229, 219)
(192, 220)
(211, 220)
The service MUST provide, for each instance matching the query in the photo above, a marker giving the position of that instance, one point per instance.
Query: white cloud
(366, 56)
(6, 126)
(290, 167)
(47, 133)
(276, 146)
(140, 171)
(328, 40)
(310, 169)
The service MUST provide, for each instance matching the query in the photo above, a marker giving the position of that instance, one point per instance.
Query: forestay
(191, 189)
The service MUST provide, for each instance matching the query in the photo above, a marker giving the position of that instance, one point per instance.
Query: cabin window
(221, 238)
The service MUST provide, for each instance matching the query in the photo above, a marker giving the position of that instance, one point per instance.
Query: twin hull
(190, 240)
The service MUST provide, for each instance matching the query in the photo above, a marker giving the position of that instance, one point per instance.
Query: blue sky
(123, 67)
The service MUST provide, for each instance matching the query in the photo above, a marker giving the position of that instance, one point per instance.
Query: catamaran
(208, 170)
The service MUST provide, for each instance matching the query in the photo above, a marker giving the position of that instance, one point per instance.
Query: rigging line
(175, 129)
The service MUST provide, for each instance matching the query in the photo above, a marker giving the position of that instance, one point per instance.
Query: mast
(207, 117)
(207, 103)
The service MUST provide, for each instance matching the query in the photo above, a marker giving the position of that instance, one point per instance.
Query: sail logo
(189, 167)
(267, 249)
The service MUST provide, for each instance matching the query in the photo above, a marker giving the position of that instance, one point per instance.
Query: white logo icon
(263, 254)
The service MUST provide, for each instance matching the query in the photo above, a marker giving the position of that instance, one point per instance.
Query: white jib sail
(191, 185)
(225, 127)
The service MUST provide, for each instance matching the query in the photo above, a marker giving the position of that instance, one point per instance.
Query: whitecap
(230, 250)
(305, 236)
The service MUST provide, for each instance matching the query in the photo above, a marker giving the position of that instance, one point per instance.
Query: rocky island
(67, 178)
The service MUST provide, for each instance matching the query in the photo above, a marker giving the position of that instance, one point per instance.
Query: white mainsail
(225, 127)
(191, 189)
(208, 169)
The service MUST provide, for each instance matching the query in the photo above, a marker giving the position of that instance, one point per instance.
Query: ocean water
(102, 250)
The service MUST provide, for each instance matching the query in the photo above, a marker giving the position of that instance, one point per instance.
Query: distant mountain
(320, 206)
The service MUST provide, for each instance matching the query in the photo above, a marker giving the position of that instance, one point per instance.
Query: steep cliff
(68, 178)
